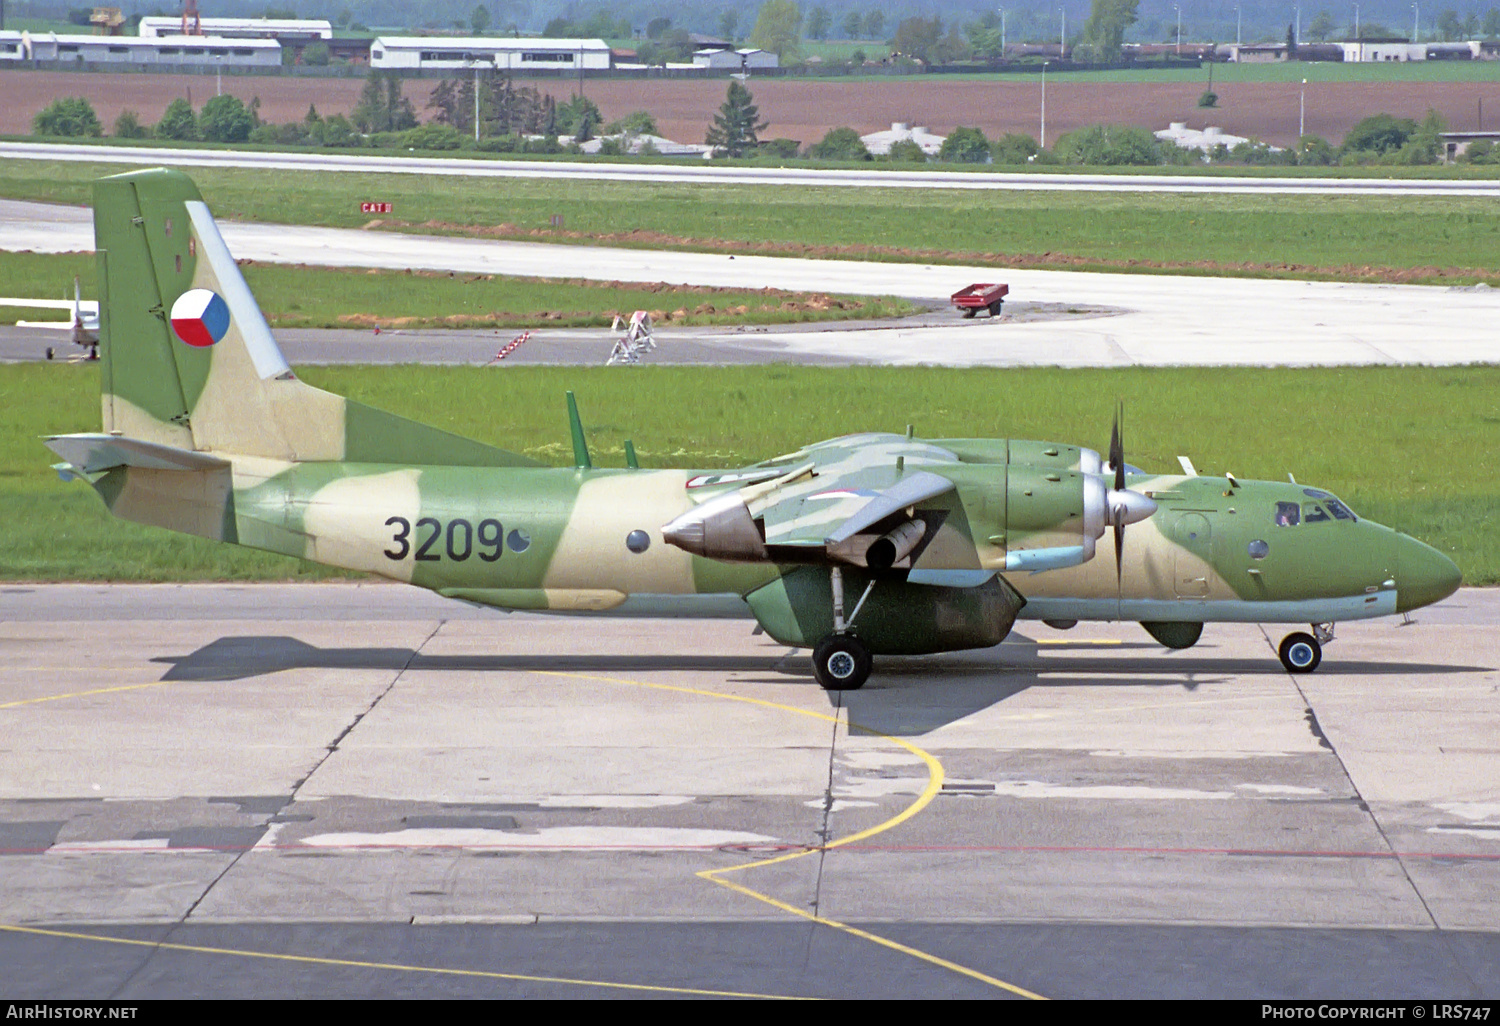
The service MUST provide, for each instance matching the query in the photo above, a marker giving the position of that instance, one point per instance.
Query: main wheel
(841, 663)
(995, 308)
(1300, 653)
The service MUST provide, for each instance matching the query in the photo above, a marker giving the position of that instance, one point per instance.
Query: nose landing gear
(1301, 653)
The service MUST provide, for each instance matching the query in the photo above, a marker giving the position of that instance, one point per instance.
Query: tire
(995, 308)
(841, 663)
(969, 311)
(1300, 653)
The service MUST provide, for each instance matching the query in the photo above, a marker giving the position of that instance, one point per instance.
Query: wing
(831, 502)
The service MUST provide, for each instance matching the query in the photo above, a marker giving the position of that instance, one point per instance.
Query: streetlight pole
(1297, 30)
(1179, 28)
(1416, 23)
(1062, 45)
(1002, 32)
(1238, 26)
(1356, 24)
(1044, 105)
(1302, 112)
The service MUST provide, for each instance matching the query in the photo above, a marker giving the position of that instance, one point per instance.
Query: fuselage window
(1288, 514)
(1339, 510)
(1315, 513)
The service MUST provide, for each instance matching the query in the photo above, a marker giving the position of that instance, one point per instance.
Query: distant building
(634, 144)
(735, 60)
(1207, 139)
(1382, 50)
(287, 31)
(457, 53)
(12, 48)
(880, 143)
(1453, 145)
(173, 51)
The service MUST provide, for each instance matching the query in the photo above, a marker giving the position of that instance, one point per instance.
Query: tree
(657, 27)
(729, 24)
(225, 119)
(852, 24)
(1491, 27)
(776, 29)
(444, 99)
(965, 146)
(577, 117)
(177, 121)
(1112, 145)
(1291, 43)
(1322, 26)
(874, 24)
(839, 144)
(1379, 134)
(128, 126)
(915, 37)
(819, 21)
(1105, 29)
(69, 115)
(906, 151)
(316, 55)
(735, 127)
(480, 19)
(1013, 148)
(381, 107)
(639, 122)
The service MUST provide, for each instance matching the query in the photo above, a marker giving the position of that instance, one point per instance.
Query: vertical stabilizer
(189, 361)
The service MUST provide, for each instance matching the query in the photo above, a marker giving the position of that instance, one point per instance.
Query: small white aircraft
(84, 324)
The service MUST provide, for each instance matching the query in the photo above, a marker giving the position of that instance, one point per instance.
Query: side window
(1288, 514)
(1315, 513)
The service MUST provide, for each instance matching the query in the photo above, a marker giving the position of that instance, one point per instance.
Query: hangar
(175, 51)
(415, 53)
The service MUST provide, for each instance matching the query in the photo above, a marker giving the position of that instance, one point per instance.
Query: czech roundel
(200, 317)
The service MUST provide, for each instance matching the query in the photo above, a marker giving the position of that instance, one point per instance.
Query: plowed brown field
(804, 109)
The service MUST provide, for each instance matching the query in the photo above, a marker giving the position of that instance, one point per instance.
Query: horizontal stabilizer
(91, 454)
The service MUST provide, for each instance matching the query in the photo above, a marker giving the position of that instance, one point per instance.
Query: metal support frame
(1323, 632)
(836, 580)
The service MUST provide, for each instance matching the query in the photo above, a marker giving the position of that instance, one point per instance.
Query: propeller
(1124, 505)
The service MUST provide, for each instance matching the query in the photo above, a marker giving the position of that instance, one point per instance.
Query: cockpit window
(1288, 514)
(1316, 493)
(1314, 513)
(1339, 510)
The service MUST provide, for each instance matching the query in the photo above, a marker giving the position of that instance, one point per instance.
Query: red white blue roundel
(200, 317)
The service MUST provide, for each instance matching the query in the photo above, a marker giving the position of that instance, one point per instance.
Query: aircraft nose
(1423, 575)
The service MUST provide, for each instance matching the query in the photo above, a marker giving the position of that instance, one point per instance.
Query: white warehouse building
(413, 53)
(292, 30)
(206, 51)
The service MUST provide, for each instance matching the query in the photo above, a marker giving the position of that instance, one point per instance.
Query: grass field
(1414, 448)
(332, 297)
(1447, 239)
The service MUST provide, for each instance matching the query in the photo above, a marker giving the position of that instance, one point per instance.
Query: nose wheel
(841, 662)
(1300, 653)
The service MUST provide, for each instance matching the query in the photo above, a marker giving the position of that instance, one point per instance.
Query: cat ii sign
(374, 208)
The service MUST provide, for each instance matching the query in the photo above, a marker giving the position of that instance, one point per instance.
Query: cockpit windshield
(1315, 513)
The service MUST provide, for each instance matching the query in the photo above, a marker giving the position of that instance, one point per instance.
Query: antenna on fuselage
(580, 446)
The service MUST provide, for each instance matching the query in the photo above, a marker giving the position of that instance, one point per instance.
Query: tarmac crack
(825, 829)
(1324, 741)
(291, 798)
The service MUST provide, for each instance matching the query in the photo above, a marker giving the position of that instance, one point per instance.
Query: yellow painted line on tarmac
(84, 694)
(934, 786)
(348, 963)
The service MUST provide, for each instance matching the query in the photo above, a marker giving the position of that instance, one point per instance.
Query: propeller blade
(1119, 554)
(1117, 449)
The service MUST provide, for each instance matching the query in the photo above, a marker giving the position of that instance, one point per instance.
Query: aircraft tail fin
(188, 360)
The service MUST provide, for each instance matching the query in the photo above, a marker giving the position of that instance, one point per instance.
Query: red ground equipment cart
(974, 298)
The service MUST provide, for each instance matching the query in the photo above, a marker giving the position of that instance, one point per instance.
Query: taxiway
(341, 790)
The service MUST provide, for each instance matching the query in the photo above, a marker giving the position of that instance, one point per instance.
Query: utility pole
(1062, 49)
(1002, 31)
(1179, 28)
(1302, 112)
(1356, 24)
(1044, 105)
(1238, 26)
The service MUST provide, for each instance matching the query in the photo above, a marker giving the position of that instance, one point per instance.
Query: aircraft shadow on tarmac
(907, 696)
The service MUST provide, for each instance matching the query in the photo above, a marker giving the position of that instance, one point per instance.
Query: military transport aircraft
(864, 545)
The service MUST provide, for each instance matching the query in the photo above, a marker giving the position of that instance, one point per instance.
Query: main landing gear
(1301, 653)
(841, 662)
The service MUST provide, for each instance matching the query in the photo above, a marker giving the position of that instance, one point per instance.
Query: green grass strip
(1382, 238)
(1415, 448)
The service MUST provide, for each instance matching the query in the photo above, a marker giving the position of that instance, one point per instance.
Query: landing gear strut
(841, 662)
(1301, 653)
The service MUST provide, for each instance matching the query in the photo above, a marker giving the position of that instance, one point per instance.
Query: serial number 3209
(460, 539)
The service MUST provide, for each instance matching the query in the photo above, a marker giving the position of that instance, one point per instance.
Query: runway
(363, 790)
(1120, 319)
(697, 172)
